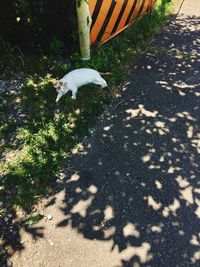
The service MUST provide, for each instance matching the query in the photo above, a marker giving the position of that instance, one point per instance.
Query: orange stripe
(116, 33)
(145, 7)
(137, 8)
(100, 19)
(112, 21)
(92, 4)
(125, 15)
(107, 34)
(151, 4)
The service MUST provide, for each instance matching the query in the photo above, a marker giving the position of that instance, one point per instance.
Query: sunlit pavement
(132, 197)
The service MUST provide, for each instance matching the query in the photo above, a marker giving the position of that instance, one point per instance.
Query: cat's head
(61, 88)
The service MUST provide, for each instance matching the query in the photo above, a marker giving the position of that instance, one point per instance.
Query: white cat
(77, 78)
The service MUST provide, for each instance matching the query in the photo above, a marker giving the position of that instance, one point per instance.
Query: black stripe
(120, 16)
(143, 2)
(96, 11)
(108, 17)
(131, 12)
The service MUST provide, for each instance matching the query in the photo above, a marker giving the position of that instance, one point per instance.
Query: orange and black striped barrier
(109, 17)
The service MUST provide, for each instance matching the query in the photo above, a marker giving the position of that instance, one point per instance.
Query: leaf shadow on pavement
(137, 182)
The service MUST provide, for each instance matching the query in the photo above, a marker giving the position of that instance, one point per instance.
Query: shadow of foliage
(137, 182)
(138, 176)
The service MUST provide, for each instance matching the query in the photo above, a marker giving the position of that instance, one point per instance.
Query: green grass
(47, 135)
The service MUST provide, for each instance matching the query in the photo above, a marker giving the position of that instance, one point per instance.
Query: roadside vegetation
(35, 145)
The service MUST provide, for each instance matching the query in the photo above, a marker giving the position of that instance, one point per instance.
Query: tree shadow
(136, 183)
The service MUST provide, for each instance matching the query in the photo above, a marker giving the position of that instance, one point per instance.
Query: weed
(33, 219)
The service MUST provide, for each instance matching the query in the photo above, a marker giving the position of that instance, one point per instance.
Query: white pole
(84, 24)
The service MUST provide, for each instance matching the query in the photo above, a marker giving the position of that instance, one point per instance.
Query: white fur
(77, 78)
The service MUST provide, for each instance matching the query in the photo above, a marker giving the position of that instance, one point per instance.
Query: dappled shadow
(11, 228)
(137, 181)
